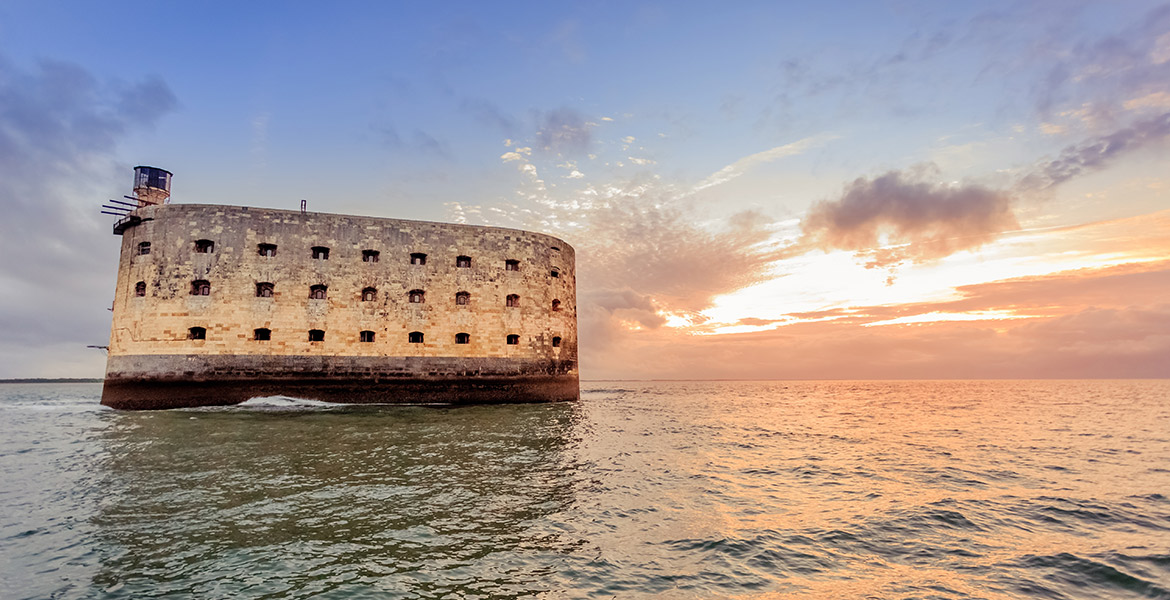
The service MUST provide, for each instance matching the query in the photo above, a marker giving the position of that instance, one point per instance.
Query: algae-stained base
(155, 395)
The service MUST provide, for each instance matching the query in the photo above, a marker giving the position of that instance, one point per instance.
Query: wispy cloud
(747, 163)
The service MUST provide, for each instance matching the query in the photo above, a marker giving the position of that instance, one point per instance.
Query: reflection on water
(761, 490)
(379, 499)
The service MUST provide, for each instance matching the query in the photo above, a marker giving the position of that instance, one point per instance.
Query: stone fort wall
(185, 308)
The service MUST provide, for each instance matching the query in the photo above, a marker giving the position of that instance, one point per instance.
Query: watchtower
(152, 185)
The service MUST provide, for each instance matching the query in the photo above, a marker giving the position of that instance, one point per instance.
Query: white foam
(286, 402)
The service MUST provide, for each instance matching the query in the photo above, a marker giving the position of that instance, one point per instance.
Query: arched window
(555, 272)
(556, 342)
(267, 250)
(512, 300)
(417, 296)
(143, 248)
(262, 334)
(556, 305)
(200, 287)
(204, 246)
(196, 333)
(370, 255)
(418, 258)
(320, 252)
(415, 337)
(511, 265)
(317, 292)
(463, 261)
(369, 294)
(265, 289)
(140, 288)
(462, 299)
(462, 338)
(513, 340)
(366, 336)
(316, 335)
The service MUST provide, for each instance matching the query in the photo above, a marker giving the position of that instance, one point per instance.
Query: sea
(681, 489)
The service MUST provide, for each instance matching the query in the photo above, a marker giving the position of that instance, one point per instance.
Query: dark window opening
(370, 255)
(463, 261)
(143, 248)
(513, 340)
(317, 292)
(316, 335)
(200, 287)
(555, 273)
(320, 252)
(267, 249)
(554, 248)
(416, 337)
(511, 265)
(512, 300)
(556, 342)
(204, 246)
(196, 333)
(462, 338)
(462, 299)
(265, 290)
(417, 296)
(262, 335)
(366, 336)
(556, 305)
(140, 288)
(369, 294)
(418, 258)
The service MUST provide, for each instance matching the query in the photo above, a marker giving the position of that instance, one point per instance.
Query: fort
(218, 304)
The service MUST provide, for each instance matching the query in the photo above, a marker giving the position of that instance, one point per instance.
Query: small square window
(268, 250)
(204, 246)
(316, 335)
(317, 292)
(556, 341)
(513, 340)
(462, 299)
(200, 287)
(512, 300)
(463, 262)
(265, 289)
(418, 258)
(197, 333)
(366, 336)
(462, 338)
(320, 253)
(143, 248)
(415, 337)
(511, 265)
(140, 288)
(262, 335)
(370, 255)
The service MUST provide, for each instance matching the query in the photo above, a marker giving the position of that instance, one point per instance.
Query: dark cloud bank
(59, 127)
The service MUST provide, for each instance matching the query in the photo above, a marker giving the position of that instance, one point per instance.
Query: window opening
(200, 287)
(265, 289)
(555, 273)
(462, 299)
(556, 305)
(418, 258)
(366, 336)
(512, 300)
(416, 337)
(143, 248)
(513, 340)
(417, 296)
(262, 335)
(463, 261)
(557, 342)
(196, 333)
(369, 294)
(204, 246)
(317, 292)
(462, 338)
(370, 255)
(316, 335)
(511, 265)
(320, 252)
(268, 250)
(140, 288)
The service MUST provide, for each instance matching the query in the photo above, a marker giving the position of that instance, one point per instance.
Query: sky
(755, 190)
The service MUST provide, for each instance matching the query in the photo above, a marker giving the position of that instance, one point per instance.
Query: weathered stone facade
(496, 309)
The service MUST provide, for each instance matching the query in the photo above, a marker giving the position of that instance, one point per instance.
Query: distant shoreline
(54, 380)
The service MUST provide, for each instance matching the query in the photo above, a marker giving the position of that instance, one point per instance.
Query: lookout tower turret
(151, 185)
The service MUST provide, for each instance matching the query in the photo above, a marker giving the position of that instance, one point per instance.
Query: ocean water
(981, 489)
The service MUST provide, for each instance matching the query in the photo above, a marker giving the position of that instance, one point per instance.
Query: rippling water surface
(1054, 489)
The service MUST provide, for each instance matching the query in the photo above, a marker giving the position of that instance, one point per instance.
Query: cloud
(747, 163)
(907, 216)
(59, 129)
(564, 131)
(417, 142)
(1097, 153)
